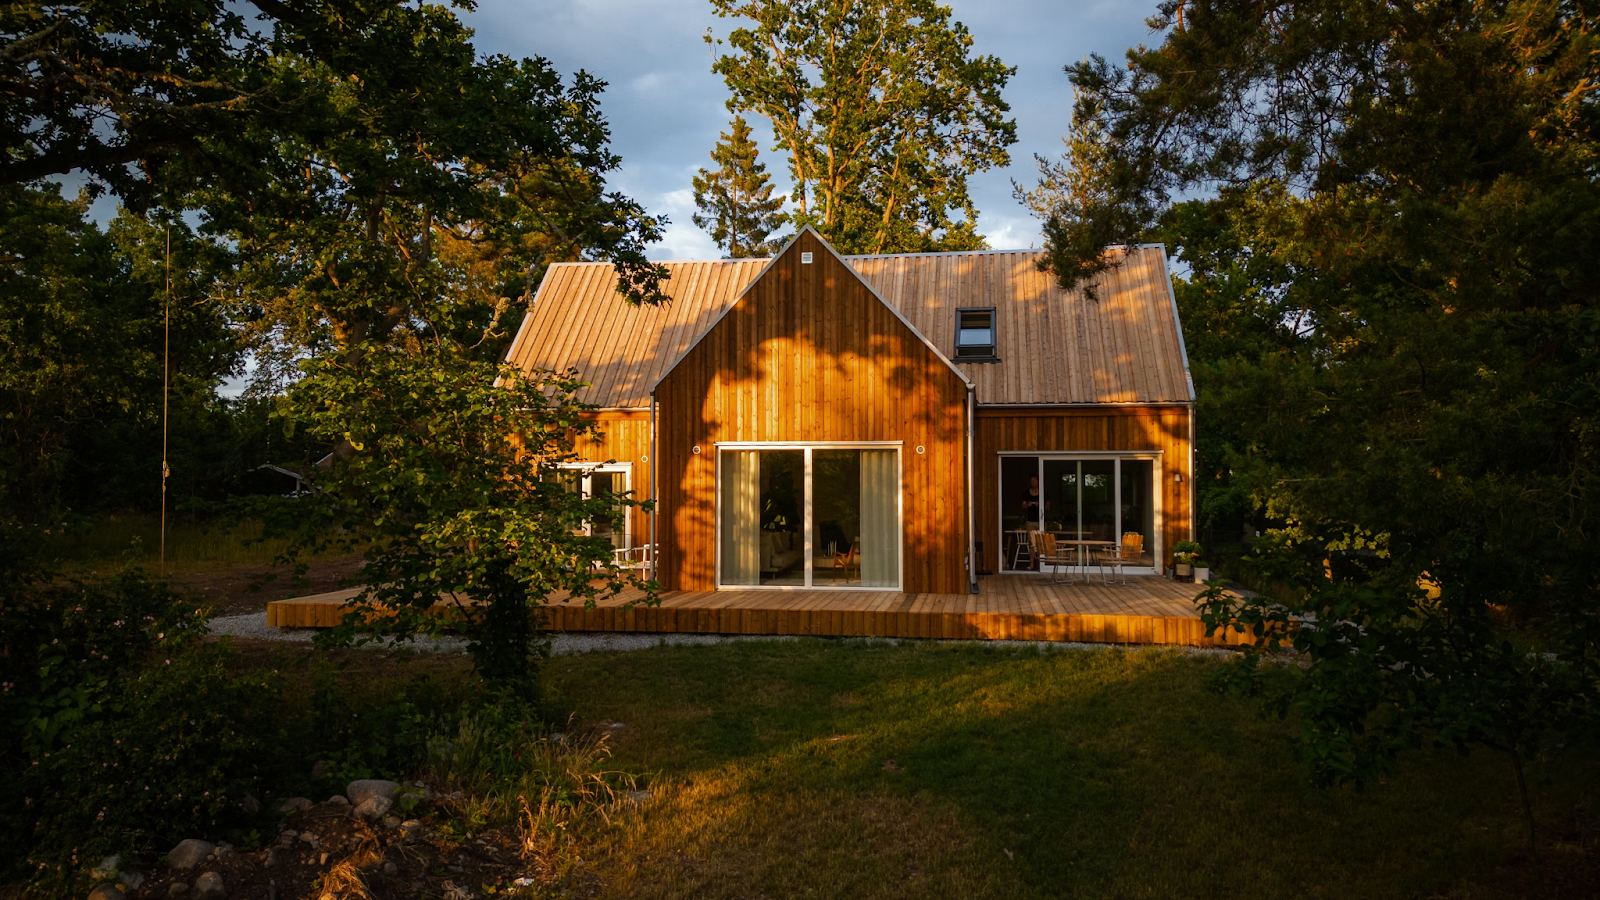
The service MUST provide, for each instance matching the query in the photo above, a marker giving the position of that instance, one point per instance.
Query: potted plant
(1202, 571)
(1184, 553)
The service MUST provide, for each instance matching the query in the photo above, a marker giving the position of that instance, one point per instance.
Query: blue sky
(666, 107)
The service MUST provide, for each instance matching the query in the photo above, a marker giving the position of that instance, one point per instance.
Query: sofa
(781, 551)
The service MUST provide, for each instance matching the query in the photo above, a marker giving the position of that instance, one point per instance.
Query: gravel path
(255, 627)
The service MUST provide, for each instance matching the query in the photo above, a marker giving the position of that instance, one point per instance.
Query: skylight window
(975, 334)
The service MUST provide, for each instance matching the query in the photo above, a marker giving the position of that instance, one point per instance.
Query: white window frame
(808, 446)
(586, 487)
(1157, 479)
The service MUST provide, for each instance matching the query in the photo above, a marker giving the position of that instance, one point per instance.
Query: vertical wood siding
(1063, 430)
(810, 355)
(625, 438)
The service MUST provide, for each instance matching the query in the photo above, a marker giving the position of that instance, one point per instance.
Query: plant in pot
(1202, 571)
(1184, 553)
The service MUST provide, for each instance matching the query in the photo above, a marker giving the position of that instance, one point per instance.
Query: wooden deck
(1007, 607)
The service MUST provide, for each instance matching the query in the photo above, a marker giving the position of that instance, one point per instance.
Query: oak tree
(882, 109)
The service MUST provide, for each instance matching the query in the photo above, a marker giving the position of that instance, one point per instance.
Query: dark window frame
(993, 354)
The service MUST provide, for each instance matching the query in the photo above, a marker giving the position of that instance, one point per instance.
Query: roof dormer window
(975, 338)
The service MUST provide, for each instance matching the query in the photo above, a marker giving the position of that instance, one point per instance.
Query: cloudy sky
(666, 108)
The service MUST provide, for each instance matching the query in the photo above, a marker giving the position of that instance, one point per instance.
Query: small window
(975, 334)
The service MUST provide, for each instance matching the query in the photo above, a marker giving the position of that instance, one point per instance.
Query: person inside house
(1030, 505)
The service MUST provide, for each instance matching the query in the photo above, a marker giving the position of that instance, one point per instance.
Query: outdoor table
(1083, 546)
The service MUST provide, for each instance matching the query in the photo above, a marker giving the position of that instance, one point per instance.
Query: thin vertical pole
(166, 371)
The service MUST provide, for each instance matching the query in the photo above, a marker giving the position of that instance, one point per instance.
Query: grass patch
(835, 768)
(136, 540)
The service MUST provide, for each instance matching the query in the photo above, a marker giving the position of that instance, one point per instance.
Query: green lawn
(831, 768)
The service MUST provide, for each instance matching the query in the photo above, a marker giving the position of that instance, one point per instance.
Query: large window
(823, 516)
(1076, 499)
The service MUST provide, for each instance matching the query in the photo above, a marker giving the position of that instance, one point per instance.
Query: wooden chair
(1117, 558)
(1043, 545)
(849, 559)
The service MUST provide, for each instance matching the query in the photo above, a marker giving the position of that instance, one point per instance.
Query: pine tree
(735, 201)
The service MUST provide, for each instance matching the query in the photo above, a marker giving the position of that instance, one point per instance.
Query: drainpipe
(655, 493)
(972, 512)
(1194, 514)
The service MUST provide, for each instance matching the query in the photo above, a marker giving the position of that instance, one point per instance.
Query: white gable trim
(853, 273)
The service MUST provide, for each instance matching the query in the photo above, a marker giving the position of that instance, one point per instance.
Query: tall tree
(735, 201)
(1416, 189)
(882, 109)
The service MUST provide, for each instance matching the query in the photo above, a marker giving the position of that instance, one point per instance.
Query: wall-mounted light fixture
(921, 449)
(696, 450)
(1178, 477)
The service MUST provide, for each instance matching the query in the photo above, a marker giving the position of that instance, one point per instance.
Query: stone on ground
(210, 887)
(190, 853)
(361, 791)
(106, 892)
(374, 807)
(294, 804)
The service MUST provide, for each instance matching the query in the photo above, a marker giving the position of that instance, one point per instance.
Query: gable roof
(1055, 347)
(843, 261)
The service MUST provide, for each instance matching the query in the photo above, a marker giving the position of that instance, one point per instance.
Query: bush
(178, 745)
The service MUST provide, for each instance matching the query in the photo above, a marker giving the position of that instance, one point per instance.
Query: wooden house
(896, 422)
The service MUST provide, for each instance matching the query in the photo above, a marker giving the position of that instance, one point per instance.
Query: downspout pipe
(655, 493)
(972, 511)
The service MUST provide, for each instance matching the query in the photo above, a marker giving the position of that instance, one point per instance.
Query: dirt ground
(248, 587)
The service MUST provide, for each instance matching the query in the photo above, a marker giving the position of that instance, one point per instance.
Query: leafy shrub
(177, 746)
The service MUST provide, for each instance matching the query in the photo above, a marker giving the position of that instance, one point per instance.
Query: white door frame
(1157, 474)
(809, 525)
(586, 486)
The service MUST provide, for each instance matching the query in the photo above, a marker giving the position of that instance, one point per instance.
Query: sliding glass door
(1076, 498)
(822, 516)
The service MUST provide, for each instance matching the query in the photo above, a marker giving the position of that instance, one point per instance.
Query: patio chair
(1118, 557)
(1043, 545)
(849, 559)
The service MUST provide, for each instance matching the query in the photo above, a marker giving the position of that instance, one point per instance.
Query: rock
(108, 868)
(360, 791)
(389, 868)
(309, 838)
(130, 879)
(638, 796)
(320, 768)
(177, 889)
(210, 887)
(391, 822)
(250, 804)
(294, 805)
(412, 829)
(270, 860)
(338, 800)
(189, 853)
(374, 807)
(107, 892)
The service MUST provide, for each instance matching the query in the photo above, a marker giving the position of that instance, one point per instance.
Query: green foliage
(735, 201)
(82, 322)
(882, 111)
(174, 753)
(1396, 336)
(454, 487)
